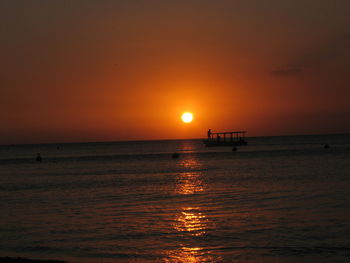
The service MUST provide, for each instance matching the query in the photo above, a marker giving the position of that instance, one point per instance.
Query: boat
(216, 139)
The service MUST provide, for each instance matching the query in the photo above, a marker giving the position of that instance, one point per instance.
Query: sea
(278, 199)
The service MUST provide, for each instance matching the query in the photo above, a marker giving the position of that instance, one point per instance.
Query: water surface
(279, 199)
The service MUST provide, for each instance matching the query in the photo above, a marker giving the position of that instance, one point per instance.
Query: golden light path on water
(189, 255)
(190, 220)
(189, 183)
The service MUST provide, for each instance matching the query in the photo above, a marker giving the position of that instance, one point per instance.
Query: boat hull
(211, 143)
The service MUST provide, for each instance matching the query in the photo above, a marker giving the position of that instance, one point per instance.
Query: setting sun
(187, 117)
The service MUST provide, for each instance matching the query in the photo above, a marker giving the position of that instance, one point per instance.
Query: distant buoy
(38, 158)
(175, 155)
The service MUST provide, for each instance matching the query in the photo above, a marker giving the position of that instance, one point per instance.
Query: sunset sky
(127, 70)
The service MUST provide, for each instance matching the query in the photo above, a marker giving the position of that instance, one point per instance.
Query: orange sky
(126, 70)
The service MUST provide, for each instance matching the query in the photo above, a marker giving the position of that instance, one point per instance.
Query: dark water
(279, 199)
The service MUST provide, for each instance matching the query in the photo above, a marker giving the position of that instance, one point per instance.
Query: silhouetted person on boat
(209, 134)
(218, 138)
(38, 158)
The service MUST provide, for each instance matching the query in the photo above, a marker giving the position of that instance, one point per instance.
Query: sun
(187, 117)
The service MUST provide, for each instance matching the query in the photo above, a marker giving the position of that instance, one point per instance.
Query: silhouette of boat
(235, 138)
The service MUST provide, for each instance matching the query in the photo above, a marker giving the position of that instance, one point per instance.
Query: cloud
(287, 71)
(318, 56)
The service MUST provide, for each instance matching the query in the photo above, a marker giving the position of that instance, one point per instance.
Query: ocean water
(279, 199)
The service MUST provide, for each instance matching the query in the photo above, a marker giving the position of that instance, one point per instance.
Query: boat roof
(234, 132)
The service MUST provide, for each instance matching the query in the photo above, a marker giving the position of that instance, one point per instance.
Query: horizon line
(178, 139)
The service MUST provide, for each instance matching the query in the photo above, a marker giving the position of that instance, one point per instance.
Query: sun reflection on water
(191, 163)
(189, 255)
(189, 182)
(192, 221)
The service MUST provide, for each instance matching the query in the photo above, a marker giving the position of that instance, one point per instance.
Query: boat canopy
(234, 138)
